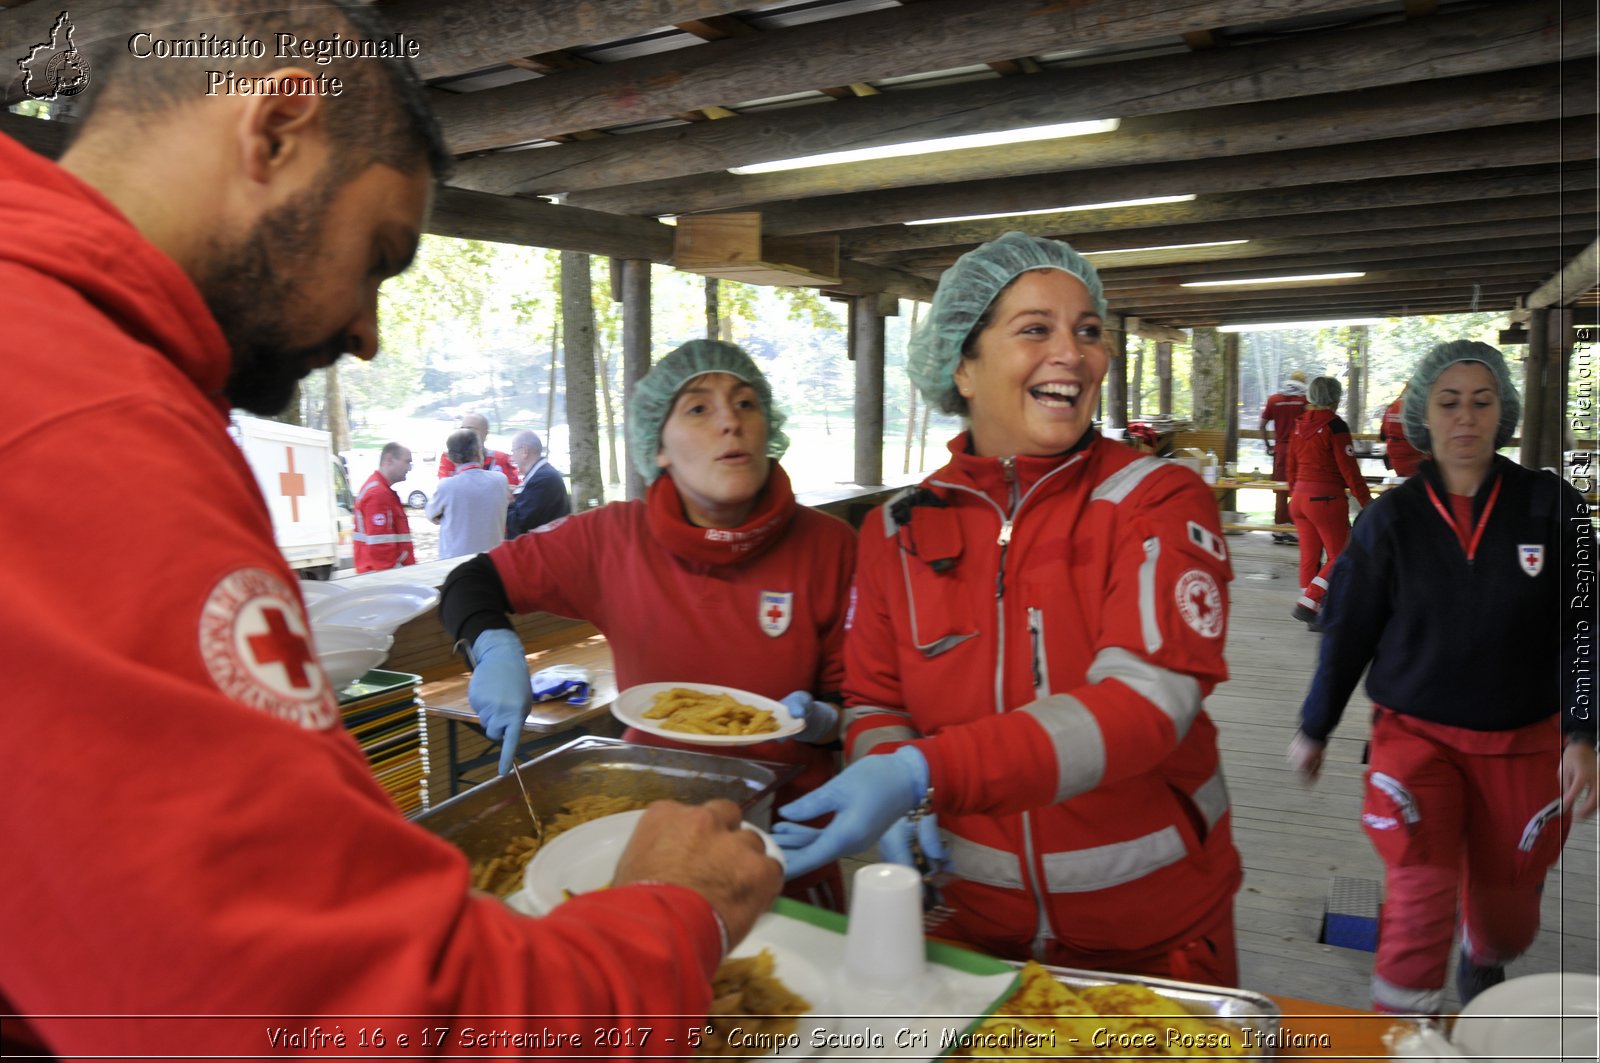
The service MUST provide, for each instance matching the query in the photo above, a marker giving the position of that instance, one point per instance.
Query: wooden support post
(866, 349)
(1355, 407)
(1533, 393)
(1558, 355)
(1116, 389)
(1164, 375)
(635, 288)
(1230, 396)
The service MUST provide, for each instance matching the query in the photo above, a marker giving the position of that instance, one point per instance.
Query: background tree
(577, 328)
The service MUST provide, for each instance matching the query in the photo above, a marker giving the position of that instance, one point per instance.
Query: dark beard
(252, 289)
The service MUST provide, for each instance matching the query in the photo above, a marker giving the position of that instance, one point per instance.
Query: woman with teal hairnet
(1463, 598)
(717, 576)
(1035, 627)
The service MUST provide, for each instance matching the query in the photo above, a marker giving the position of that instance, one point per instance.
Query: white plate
(633, 703)
(375, 608)
(1540, 1015)
(584, 859)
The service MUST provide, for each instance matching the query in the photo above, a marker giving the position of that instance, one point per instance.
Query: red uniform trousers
(1464, 821)
(1322, 520)
(1280, 469)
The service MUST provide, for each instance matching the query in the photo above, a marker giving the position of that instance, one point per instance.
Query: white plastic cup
(884, 947)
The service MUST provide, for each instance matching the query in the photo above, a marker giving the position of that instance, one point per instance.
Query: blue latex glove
(818, 715)
(865, 799)
(500, 692)
(895, 845)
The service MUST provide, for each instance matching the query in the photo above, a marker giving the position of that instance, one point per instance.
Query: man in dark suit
(542, 496)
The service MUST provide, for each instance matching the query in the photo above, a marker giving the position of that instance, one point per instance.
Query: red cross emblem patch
(1200, 602)
(257, 647)
(775, 611)
(1532, 557)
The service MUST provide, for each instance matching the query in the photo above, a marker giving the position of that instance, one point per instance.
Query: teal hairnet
(654, 394)
(1324, 391)
(965, 291)
(1414, 411)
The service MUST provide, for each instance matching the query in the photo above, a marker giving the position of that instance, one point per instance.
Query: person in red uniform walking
(1321, 463)
(383, 531)
(199, 860)
(493, 460)
(1398, 453)
(717, 576)
(1282, 410)
(1460, 599)
(1035, 626)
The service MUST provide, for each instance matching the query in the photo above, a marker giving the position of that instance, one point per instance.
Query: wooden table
(447, 699)
(1347, 1032)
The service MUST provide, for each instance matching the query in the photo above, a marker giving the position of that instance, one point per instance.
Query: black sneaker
(1472, 978)
(1303, 614)
(1286, 538)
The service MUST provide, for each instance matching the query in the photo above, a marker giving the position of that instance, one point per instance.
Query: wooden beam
(503, 219)
(48, 138)
(1478, 102)
(1446, 46)
(1137, 326)
(1577, 278)
(1528, 143)
(1477, 186)
(460, 36)
(865, 47)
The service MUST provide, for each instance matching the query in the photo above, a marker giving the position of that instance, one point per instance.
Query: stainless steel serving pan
(480, 821)
(1251, 1012)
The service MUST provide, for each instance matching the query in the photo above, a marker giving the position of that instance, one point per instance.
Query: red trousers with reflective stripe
(1469, 830)
(1322, 521)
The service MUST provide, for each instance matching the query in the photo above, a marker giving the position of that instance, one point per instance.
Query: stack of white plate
(1538, 1016)
(353, 630)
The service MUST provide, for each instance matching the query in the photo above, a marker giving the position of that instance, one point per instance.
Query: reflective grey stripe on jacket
(1075, 871)
(1212, 798)
(869, 740)
(363, 537)
(1074, 733)
(1120, 484)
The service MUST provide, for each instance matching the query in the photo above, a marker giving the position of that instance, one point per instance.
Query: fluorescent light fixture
(925, 147)
(1148, 202)
(1275, 280)
(667, 219)
(1165, 247)
(1279, 326)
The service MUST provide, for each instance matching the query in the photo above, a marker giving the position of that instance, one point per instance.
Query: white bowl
(348, 653)
(584, 859)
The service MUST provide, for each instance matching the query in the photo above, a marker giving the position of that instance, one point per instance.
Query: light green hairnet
(965, 291)
(654, 394)
(1324, 391)
(1414, 411)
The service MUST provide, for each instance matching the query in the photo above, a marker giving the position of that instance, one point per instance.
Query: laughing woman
(675, 581)
(1035, 627)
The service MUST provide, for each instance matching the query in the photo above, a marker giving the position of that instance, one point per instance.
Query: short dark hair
(391, 450)
(382, 116)
(462, 445)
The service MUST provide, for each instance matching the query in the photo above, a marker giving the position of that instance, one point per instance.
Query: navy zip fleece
(1481, 645)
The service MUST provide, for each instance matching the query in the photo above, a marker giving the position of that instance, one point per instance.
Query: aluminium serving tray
(480, 821)
(1257, 1016)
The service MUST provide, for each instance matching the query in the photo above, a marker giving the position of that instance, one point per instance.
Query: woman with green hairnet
(717, 576)
(1464, 597)
(1035, 627)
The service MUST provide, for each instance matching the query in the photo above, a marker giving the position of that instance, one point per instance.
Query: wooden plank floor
(1293, 839)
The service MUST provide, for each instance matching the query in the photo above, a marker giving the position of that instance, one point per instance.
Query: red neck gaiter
(775, 508)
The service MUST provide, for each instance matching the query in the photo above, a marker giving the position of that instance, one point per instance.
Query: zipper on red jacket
(1008, 469)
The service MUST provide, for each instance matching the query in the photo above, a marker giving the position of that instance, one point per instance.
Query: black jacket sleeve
(473, 600)
(1354, 614)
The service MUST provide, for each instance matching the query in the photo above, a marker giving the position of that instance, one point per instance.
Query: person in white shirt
(470, 506)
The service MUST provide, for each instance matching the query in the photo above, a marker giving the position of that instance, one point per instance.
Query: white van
(306, 489)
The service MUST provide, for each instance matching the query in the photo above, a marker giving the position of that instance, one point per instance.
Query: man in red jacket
(1398, 453)
(493, 460)
(222, 852)
(383, 531)
(1283, 409)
